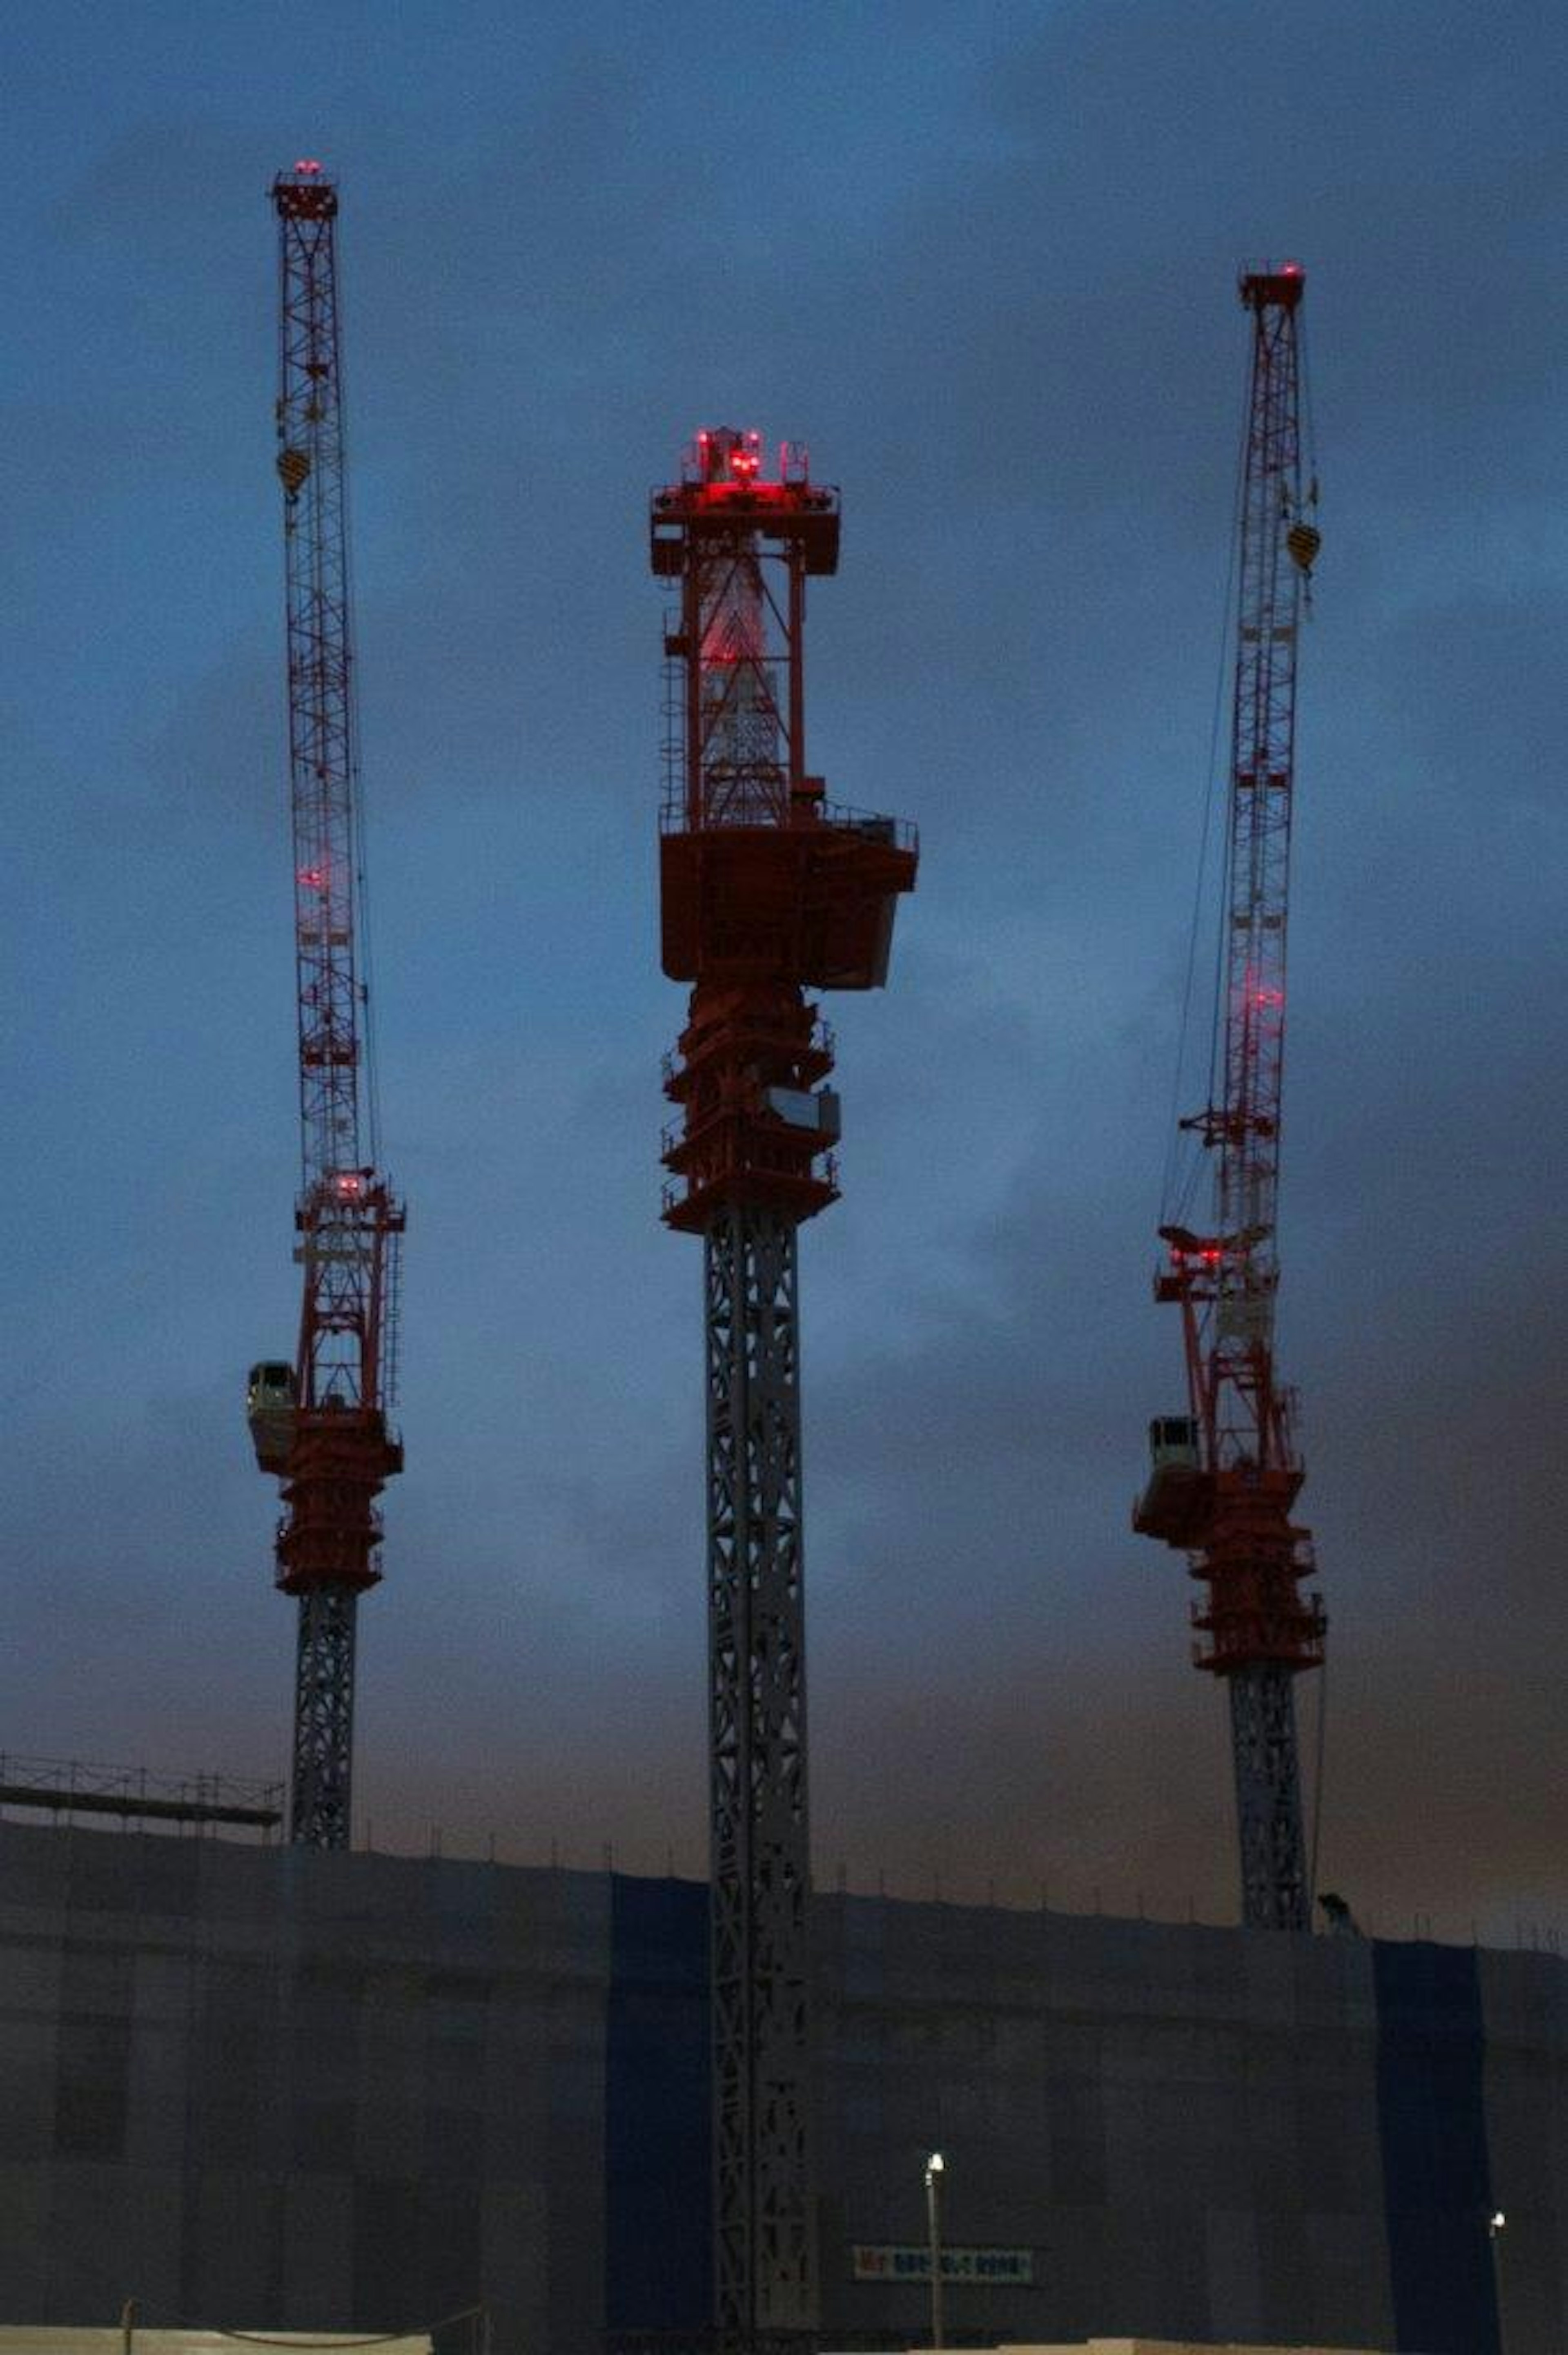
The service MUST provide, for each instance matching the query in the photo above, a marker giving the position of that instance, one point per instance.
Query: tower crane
(1225, 1477)
(767, 890)
(320, 1424)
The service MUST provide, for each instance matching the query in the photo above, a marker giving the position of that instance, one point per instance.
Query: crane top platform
(305, 193)
(723, 493)
(1268, 285)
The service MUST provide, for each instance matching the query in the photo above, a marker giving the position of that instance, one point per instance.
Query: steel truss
(1276, 1894)
(318, 1803)
(765, 2239)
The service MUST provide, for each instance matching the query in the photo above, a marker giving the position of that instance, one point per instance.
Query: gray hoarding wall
(269, 2088)
(288, 2088)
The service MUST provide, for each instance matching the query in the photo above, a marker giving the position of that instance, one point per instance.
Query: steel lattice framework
(757, 1696)
(322, 1424)
(766, 890)
(1225, 1480)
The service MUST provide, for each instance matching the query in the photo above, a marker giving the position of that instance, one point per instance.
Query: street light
(935, 2166)
(1497, 2224)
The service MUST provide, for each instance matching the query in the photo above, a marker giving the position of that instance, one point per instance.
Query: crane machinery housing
(1225, 1477)
(767, 890)
(321, 1423)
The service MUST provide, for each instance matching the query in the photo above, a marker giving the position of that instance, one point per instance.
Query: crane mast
(321, 1423)
(1225, 1477)
(767, 890)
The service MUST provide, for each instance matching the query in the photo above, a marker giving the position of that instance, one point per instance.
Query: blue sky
(982, 259)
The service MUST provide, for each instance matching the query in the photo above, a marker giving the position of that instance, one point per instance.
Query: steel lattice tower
(767, 890)
(1226, 1477)
(321, 1423)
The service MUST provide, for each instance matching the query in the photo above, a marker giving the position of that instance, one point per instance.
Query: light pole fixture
(1497, 2224)
(935, 2166)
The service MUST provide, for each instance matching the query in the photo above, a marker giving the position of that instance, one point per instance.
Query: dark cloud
(988, 270)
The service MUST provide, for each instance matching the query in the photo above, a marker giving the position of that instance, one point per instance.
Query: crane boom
(321, 1423)
(1225, 1477)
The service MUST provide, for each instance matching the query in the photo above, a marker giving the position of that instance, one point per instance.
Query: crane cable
(1174, 1199)
(363, 950)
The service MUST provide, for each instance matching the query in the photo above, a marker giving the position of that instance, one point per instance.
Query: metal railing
(83, 1786)
(872, 825)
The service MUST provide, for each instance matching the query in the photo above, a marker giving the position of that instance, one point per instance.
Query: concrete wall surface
(267, 2088)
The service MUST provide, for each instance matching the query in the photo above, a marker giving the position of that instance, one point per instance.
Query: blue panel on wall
(657, 2129)
(1432, 2128)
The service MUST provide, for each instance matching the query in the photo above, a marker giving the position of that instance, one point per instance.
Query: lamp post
(934, 2169)
(1497, 2224)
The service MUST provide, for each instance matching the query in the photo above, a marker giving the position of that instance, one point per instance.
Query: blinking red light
(307, 165)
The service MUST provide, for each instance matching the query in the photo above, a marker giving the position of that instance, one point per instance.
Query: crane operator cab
(1172, 1439)
(270, 1398)
(1172, 1506)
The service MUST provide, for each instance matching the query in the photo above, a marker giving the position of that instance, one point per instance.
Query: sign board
(908, 2262)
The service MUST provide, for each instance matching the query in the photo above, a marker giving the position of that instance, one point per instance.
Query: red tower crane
(767, 890)
(1225, 1477)
(321, 1423)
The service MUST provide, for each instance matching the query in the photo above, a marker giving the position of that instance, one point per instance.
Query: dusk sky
(982, 259)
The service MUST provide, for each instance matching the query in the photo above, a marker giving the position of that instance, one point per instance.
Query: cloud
(988, 272)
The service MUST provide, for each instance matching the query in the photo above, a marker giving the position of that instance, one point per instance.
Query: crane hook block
(293, 471)
(1304, 540)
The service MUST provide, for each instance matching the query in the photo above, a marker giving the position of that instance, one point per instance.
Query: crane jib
(1224, 1477)
(321, 1424)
